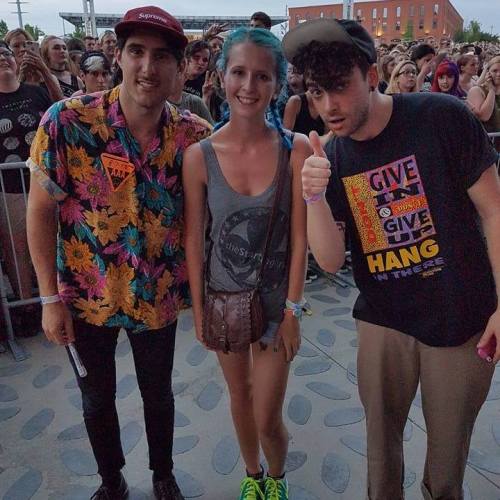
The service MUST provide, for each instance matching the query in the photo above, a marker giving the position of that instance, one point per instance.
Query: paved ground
(44, 452)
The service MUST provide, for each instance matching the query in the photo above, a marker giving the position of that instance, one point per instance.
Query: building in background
(388, 20)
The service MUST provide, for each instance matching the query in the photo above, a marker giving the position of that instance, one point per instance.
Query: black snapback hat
(329, 30)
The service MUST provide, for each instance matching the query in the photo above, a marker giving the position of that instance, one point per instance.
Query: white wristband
(50, 299)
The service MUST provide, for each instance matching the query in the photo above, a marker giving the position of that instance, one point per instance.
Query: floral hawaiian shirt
(120, 259)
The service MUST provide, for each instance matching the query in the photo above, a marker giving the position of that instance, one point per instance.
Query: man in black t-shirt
(408, 191)
(21, 108)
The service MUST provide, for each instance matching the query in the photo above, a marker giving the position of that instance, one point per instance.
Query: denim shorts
(270, 334)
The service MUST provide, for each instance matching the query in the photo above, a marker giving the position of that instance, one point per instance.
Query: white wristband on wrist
(50, 299)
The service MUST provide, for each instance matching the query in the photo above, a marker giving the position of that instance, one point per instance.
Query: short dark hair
(88, 37)
(73, 43)
(263, 18)
(329, 64)
(121, 40)
(421, 50)
(195, 46)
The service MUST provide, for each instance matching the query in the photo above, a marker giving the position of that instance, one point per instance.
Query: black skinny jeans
(153, 353)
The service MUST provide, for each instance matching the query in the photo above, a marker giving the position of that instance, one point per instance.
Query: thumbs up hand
(316, 170)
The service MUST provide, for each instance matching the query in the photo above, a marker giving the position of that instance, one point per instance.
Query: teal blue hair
(262, 38)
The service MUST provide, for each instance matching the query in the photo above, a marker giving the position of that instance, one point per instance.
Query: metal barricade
(10, 301)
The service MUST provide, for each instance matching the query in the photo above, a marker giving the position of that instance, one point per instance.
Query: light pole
(348, 9)
(19, 12)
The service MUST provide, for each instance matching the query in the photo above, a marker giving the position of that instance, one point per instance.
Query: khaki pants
(454, 384)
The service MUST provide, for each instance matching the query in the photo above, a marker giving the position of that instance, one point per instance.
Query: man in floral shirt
(111, 164)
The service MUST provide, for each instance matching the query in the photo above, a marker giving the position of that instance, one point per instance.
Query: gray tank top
(237, 235)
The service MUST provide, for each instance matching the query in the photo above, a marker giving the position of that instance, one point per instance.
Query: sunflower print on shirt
(120, 259)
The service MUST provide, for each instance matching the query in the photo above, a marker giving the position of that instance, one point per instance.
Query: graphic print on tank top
(241, 244)
(394, 221)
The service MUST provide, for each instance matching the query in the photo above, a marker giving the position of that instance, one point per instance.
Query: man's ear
(118, 56)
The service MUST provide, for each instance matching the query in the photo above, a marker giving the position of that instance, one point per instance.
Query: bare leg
(269, 380)
(237, 368)
(17, 215)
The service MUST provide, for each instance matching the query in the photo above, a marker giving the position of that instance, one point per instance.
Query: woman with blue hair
(235, 174)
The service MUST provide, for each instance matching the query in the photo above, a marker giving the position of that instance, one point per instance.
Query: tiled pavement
(44, 452)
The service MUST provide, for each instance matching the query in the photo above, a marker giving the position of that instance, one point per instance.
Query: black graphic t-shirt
(20, 113)
(419, 259)
(195, 86)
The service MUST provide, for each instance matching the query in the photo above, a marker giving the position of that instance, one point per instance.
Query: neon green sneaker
(276, 489)
(251, 489)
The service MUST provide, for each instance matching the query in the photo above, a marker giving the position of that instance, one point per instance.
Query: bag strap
(283, 163)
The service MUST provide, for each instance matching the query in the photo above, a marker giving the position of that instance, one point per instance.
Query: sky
(45, 13)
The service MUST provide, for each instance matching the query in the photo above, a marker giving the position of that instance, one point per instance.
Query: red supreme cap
(151, 17)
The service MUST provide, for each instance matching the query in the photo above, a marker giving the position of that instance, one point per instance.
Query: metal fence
(10, 299)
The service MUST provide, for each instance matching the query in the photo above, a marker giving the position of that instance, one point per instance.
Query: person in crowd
(21, 108)
(212, 91)
(382, 50)
(446, 80)
(106, 172)
(89, 42)
(253, 69)
(294, 80)
(184, 100)
(95, 73)
(198, 59)
(55, 55)
(424, 56)
(107, 43)
(445, 43)
(75, 48)
(215, 44)
(485, 99)
(260, 20)
(403, 78)
(302, 116)
(467, 48)
(294, 85)
(421, 312)
(30, 66)
(431, 40)
(387, 65)
(468, 65)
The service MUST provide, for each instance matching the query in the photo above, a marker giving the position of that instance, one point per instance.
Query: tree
(473, 33)
(78, 33)
(34, 31)
(3, 28)
(408, 35)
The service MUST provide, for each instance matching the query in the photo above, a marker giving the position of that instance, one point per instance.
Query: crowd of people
(167, 173)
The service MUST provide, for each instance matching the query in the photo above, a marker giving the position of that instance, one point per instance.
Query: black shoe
(167, 489)
(106, 493)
